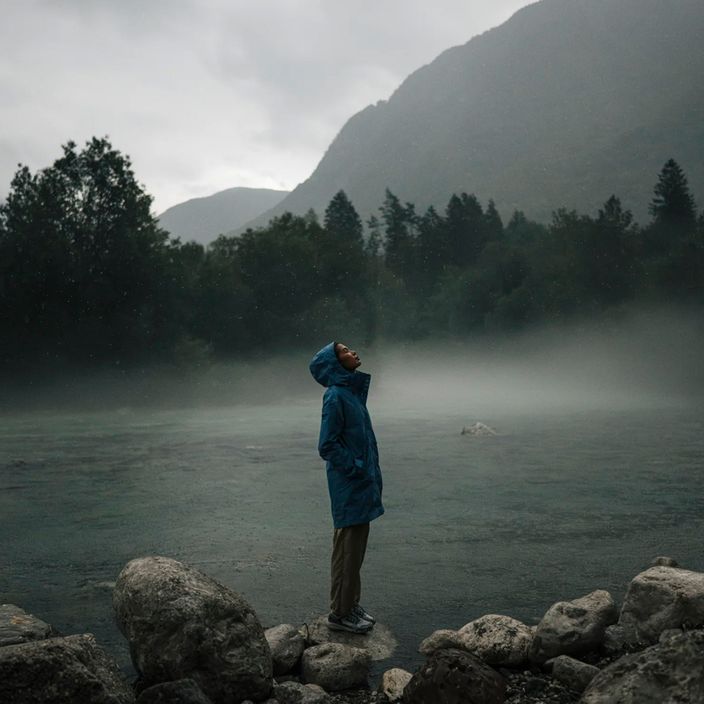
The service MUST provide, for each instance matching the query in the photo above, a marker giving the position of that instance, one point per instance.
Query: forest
(89, 279)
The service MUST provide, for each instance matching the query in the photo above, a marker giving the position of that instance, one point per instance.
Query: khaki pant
(348, 548)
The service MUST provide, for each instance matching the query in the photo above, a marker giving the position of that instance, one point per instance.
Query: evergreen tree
(342, 220)
(673, 204)
(465, 229)
(398, 236)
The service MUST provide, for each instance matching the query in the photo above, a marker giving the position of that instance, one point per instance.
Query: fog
(646, 358)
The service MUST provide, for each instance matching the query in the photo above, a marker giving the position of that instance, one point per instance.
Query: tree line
(88, 278)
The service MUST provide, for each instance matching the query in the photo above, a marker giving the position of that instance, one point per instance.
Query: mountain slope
(203, 219)
(563, 105)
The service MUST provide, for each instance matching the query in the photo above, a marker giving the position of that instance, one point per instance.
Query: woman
(348, 446)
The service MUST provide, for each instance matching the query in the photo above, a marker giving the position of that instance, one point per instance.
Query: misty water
(584, 484)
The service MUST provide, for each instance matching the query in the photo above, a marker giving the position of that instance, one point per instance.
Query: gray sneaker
(359, 611)
(350, 623)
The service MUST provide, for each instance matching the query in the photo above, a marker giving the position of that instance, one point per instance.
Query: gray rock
(379, 642)
(452, 676)
(437, 640)
(574, 627)
(662, 598)
(63, 670)
(393, 682)
(334, 666)
(185, 691)
(662, 561)
(497, 640)
(668, 672)
(573, 673)
(181, 623)
(296, 693)
(614, 639)
(17, 626)
(286, 644)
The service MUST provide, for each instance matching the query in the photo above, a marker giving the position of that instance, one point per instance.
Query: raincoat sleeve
(330, 445)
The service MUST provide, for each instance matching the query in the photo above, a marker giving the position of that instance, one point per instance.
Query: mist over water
(595, 469)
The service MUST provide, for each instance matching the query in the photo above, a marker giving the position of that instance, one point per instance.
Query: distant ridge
(566, 103)
(203, 219)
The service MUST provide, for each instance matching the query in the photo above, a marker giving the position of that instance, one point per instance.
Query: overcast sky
(208, 94)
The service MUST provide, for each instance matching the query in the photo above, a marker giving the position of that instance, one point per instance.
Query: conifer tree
(672, 203)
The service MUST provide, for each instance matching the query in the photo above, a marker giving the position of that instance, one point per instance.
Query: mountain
(203, 219)
(564, 104)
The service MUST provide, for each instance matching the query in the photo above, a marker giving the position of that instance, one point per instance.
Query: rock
(452, 676)
(478, 429)
(662, 561)
(667, 672)
(574, 627)
(614, 640)
(335, 666)
(185, 691)
(393, 682)
(17, 626)
(574, 674)
(286, 644)
(61, 670)
(181, 623)
(497, 640)
(296, 693)
(662, 598)
(669, 633)
(379, 642)
(437, 640)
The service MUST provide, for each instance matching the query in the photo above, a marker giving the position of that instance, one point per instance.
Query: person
(348, 445)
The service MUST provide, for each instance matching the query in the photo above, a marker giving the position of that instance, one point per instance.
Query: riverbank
(195, 641)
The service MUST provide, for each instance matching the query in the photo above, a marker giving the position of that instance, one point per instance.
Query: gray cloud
(208, 94)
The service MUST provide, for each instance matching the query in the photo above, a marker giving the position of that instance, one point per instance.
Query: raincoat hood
(327, 371)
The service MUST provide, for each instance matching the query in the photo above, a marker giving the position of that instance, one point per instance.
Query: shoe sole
(356, 631)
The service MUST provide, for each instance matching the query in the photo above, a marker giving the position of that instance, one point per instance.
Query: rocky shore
(195, 641)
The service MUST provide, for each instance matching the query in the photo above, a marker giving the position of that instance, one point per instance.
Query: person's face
(348, 358)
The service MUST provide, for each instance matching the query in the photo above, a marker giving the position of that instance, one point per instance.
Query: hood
(328, 371)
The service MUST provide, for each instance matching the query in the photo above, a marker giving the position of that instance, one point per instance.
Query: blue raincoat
(347, 442)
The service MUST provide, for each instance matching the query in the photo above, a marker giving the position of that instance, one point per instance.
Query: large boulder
(62, 670)
(574, 627)
(662, 598)
(497, 640)
(380, 643)
(17, 626)
(286, 644)
(452, 676)
(334, 666)
(181, 623)
(671, 671)
(439, 640)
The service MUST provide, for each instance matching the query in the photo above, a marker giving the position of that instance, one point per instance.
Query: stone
(181, 623)
(574, 627)
(185, 691)
(614, 639)
(393, 682)
(286, 644)
(453, 676)
(335, 666)
(17, 626)
(662, 561)
(662, 598)
(573, 673)
(672, 671)
(297, 693)
(478, 428)
(497, 640)
(380, 643)
(437, 640)
(61, 670)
